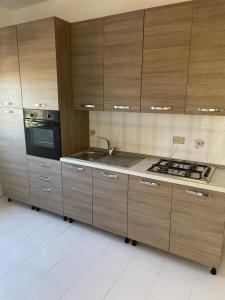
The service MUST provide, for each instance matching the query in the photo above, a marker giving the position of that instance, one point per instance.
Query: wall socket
(180, 140)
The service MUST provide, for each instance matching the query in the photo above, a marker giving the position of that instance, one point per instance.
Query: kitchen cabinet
(197, 225)
(45, 182)
(87, 64)
(167, 36)
(77, 192)
(110, 201)
(46, 77)
(206, 93)
(149, 209)
(10, 89)
(123, 42)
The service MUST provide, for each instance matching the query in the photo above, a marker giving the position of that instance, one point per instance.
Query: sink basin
(120, 159)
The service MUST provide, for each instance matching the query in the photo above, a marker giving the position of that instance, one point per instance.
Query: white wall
(5, 17)
(76, 10)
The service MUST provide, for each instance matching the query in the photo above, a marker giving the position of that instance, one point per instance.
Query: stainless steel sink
(120, 159)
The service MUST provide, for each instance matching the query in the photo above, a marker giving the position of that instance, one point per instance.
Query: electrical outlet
(180, 140)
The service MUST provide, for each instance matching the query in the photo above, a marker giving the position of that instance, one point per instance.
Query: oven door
(43, 139)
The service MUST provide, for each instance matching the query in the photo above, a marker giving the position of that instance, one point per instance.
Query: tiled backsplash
(153, 134)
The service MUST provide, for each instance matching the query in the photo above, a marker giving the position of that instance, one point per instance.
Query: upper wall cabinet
(206, 80)
(10, 90)
(167, 35)
(37, 52)
(123, 42)
(87, 64)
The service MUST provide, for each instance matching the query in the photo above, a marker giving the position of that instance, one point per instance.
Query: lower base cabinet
(77, 192)
(110, 201)
(149, 210)
(197, 225)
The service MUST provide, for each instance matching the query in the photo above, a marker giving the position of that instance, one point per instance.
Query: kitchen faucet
(110, 149)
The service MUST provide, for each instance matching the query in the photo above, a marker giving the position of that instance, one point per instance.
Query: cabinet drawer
(110, 176)
(47, 197)
(197, 224)
(49, 166)
(43, 178)
(71, 170)
(149, 209)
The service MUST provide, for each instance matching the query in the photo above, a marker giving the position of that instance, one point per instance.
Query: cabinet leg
(126, 240)
(134, 243)
(65, 219)
(9, 199)
(33, 207)
(71, 220)
(213, 271)
(37, 209)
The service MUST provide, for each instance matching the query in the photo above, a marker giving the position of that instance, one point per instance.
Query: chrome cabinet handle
(44, 165)
(76, 168)
(212, 110)
(198, 194)
(7, 111)
(161, 108)
(7, 103)
(39, 105)
(109, 175)
(88, 105)
(45, 178)
(150, 183)
(45, 189)
(121, 107)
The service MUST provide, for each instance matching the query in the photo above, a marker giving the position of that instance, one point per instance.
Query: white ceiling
(16, 4)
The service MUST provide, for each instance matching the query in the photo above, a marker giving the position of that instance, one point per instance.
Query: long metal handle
(46, 189)
(45, 178)
(198, 194)
(7, 111)
(109, 175)
(7, 103)
(161, 108)
(44, 165)
(88, 105)
(211, 110)
(39, 105)
(121, 107)
(150, 183)
(76, 168)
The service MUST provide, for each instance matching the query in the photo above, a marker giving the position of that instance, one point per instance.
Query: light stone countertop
(217, 182)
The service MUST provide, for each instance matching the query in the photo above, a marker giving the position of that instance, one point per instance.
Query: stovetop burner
(183, 169)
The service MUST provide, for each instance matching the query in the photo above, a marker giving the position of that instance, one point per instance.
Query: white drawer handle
(198, 194)
(45, 189)
(45, 178)
(39, 105)
(88, 105)
(79, 169)
(121, 107)
(161, 108)
(211, 110)
(7, 103)
(109, 175)
(45, 165)
(150, 183)
(7, 111)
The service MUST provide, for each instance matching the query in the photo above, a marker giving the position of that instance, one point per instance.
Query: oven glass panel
(42, 138)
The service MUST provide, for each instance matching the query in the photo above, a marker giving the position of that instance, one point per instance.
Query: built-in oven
(42, 133)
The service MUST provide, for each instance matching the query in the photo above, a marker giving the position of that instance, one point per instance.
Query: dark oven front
(42, 133)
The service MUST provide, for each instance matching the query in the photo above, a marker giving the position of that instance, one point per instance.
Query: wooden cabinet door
(123, 42)
(149, 209)
(87, 64)
(10, 89)
(197, 225)
(206, 89)
(110, 201)
(37, 53)
(77, 192)
(167, 36)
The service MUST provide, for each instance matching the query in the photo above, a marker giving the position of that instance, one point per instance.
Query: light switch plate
(180, 140)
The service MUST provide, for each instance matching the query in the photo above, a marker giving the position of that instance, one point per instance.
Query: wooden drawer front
(77, 192)
(12, 138)
(149, 209)
(10, 90)
(197, 225)
(42, 177)
(15, 187)
(46, 196)
(48, 166)
(167, 37)
(123, 43)
(87, 64)
(110, 201)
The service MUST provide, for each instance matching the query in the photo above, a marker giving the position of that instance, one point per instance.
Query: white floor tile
(25, 228)
(125, 291)
(44, 236)
(202, 292)
(80, 230)
(6, 265)
(151, 256)
(7, 240)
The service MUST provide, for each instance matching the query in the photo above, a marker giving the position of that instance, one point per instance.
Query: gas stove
(193, 171)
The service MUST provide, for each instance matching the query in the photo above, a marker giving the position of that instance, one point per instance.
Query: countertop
(217, 182)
